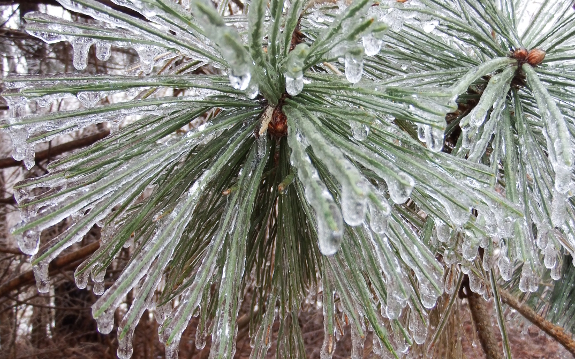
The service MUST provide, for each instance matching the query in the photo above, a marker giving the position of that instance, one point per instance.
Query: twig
(57, 150)
(28, 277)
(556, 332)
(10, 250)
(482, 322)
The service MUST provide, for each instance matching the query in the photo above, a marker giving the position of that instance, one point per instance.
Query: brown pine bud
(520, 54)
(535, 57)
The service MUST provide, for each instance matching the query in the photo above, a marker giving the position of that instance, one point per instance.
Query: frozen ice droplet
(88, 98)
(353, 203)
(528, 281)
(147, 54)
(28, 242)
(400, 189)
(105, 322)
(103, 50)
(359, 130)
(330, 240)
(434, 139)
(125, 348)
(240, 81)
(294, 85)
(427, 294)
(378, 217)
(371, 44)
(81, 279)
(354, 65)
(42, 278)
(81, 47)
(98, 288)
(505, 269)
(417, 327)
(550, 258)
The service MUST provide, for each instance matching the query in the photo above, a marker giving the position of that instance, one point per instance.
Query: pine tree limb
(555, 331)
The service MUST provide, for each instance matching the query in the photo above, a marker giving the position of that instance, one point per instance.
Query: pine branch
(551, 329)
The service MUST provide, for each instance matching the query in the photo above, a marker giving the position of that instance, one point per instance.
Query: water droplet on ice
(359, 130)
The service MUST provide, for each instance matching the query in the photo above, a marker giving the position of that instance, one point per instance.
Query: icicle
(103, 50)
(528, 281)
(505, 269)
(475, 283)
(294, 69)
(125, 348)
(371, 44)
(329, 219)
(294, 85)
(105, 321)
(354, 65)
(81, 279)
(81, 46)
(400, 190)
(354, 187)
(147, 55)
(28, 242)
(42, 278)
(428, 295)
(550, 256)
(379, 211)
(417, 327)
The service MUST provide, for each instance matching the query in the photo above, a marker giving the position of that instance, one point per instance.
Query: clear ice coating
(329, 219)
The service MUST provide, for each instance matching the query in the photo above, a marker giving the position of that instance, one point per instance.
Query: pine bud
(520, 54)
(535, 57)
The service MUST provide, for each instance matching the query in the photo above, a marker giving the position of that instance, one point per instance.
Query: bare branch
(57, 264)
